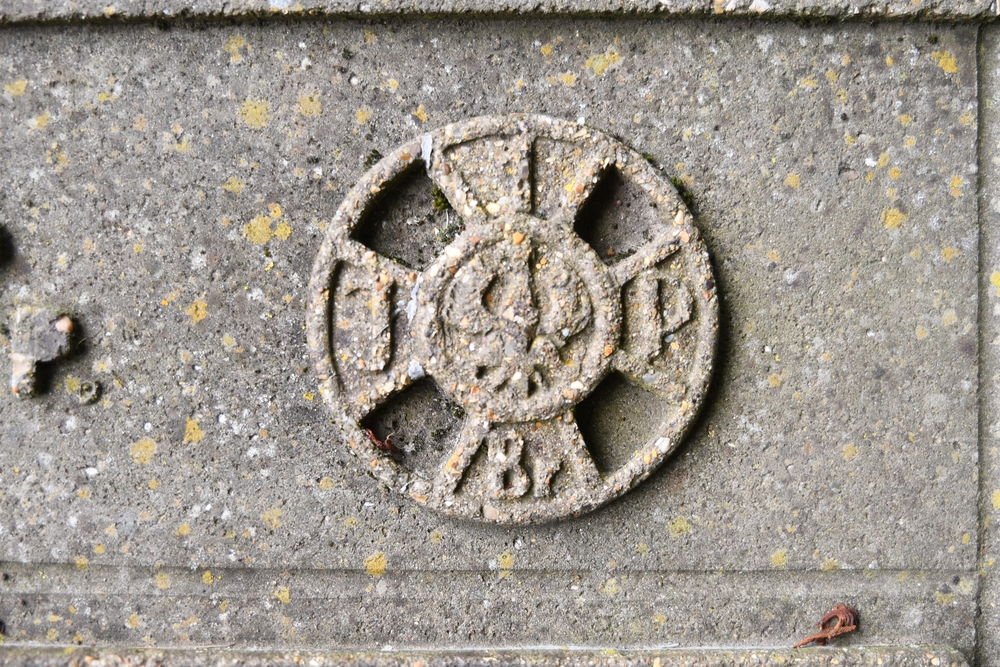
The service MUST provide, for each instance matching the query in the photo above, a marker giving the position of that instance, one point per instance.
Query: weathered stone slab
(169, 187)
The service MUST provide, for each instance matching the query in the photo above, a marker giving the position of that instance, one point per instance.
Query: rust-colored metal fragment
(846, 621)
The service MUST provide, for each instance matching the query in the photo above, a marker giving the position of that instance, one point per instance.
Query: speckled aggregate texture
(170, 185)
(13, 11)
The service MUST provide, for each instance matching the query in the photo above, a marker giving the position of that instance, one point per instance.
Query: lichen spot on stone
(892, 218)
(234, 185)
(375, 564)
(143, 451)
(233, 46)
(192, 432)
(679, 526)
(946, 61)
(310, 104)
(272, 517)
(256, 113)
(599, 64)
(779, 559)
(283, 594)
(17, 88)
(197, 311)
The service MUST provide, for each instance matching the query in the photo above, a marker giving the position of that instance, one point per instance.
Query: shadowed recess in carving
(422, 423)
(617, 219)
(617, 419)
(411, 222)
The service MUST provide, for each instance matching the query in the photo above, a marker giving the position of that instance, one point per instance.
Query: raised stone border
(25, 11)
(888, 656)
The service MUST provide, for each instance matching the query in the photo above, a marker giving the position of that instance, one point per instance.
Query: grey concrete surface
(167, 185)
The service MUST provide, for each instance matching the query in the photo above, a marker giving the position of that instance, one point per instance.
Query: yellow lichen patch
(233, 46)
(228, 342)
(792, 181)
(197, 311)
(183, 530)
(611, 587)
(99, 549)
(362, 115)
(892, 218)
(309, 395)
(506, 560)
(568, 79)
(967, 118)
(945, 599)
(436, 537)
(192, 432)
(153, 484)
(310, 104)
(272, 517)
(946, 61)
(17, 88)
(910, 142)
(326, 484)
(234, 185)
(949, 254)
(774, 380)
(679, 526)
(956, 186)
(905, 119)
(894, 173)
(832, 76)
(283, 595)
(207, 577)
(996, 499)
(600, 63)
(889, 61)
(546, 49)
(779, 559)
(949, 317)
(143, 451)
(420, 114)
(40, 122)
(256, 113)
(282, 231)
(258, 230)
(809, 82)
(133, 621)
(883, 160)
(72, 384)
(921, 333)
(850, 451)
(829, 565)
(966, 538)
(82, 563)
(351, 522)
(375, 564)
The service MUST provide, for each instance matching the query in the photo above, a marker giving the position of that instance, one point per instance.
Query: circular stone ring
(517, 320)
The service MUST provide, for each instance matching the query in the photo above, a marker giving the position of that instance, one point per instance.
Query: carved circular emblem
(518, 320)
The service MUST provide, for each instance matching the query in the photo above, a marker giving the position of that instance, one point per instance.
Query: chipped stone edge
(852, 656)
(14, 12)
